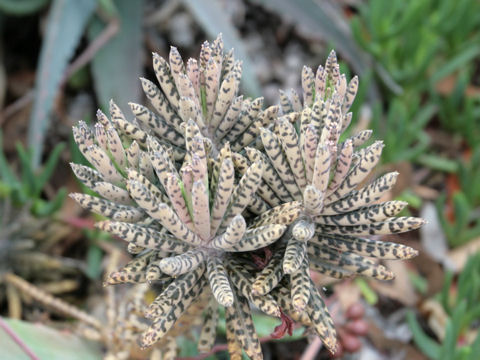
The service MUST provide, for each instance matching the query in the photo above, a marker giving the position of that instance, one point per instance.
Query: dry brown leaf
(459, 255)
(437, 317)
(425, 192)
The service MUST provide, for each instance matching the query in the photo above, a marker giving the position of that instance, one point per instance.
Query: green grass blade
(6, 174)
(425, 343)
(48, 168)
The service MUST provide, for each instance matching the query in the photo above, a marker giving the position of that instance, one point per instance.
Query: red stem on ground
(17, 340)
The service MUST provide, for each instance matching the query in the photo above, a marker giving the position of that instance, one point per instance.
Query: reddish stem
(87, 55)
(286, 326)
(17, 340)
(261, 263)
(312, 349)
(80, 223)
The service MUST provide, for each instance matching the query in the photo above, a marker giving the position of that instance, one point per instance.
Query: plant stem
(17, 340)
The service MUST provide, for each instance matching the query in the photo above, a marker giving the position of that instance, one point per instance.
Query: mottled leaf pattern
(180, 264)
(208, 176)
(218, 279)
(166, 320)
(270, 276)
(109, 209)
(321, 319)
(209, 328)
(294, 254)
(300, 291)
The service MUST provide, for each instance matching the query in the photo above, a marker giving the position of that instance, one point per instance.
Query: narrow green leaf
(456, 63)
(28, 178)
(118, 65)
(45, 208)
(426, 344)
(47, 343)
(94, 261)
(5, 172)
(445, 293)
(437, 162)
(65, 24)
(462, 210)
(367, 292)
(452, 332)
(21, 7)
(474, 348)
(418, 282)
(48, 168)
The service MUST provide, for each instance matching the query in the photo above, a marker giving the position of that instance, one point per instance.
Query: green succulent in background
(462, 309)
(27, 189)
(207, 178)
(405, 36)
(459, 112)
(402, 129)
(29, 231)
(422, 45)
(465, 224)
(26, 228)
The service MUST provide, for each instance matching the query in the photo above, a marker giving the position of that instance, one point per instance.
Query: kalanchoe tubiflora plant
(306, 163)
(205, 180)
(195, 235)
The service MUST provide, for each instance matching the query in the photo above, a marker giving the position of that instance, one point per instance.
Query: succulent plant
(209, 178)
(306, 163)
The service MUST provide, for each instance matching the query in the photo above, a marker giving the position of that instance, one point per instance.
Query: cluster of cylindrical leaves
(202, 183)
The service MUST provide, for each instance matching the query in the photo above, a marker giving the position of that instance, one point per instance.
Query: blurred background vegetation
(419, 69)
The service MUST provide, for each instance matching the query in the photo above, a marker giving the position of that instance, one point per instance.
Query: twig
(312, 349)
(88, 54)
(164, 13)
(17, 105)
(84, 58)
(48, 300)
(17, 340)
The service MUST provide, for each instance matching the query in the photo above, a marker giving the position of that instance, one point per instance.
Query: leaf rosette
(207, 178)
